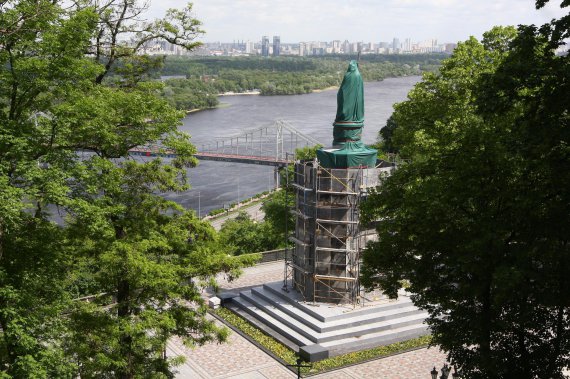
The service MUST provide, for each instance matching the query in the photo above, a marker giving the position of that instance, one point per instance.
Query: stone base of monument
(319, 330)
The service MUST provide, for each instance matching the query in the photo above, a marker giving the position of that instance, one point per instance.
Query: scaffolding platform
(324, 264)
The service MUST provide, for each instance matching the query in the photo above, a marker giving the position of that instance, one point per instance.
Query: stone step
(375, 327)
(275, 324)
(322, 327)
(319, 311)
(269, 330)
(265, 308)
(268, 312)
(385, 337)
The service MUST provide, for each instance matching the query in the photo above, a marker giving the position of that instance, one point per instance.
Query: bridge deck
(266, 161)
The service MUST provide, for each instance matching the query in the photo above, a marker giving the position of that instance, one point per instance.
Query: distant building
(249, 47)
(346, 47)
(302, 49)
(318, 51)
(276, 46)
(335, 47)
(265, 46)
(396, 44)
(407, 44)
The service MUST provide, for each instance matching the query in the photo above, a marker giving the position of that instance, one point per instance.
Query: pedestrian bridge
(273, 145)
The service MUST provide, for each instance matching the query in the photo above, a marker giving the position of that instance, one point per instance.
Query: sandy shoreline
(250, 93)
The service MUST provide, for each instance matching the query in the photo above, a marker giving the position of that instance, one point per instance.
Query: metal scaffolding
(324, 264)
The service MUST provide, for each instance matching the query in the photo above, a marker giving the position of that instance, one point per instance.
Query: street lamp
(433, 373)
(199, 206)
(445, 370)
(299, 365)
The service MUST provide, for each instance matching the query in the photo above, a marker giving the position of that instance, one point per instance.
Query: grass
(287, 355)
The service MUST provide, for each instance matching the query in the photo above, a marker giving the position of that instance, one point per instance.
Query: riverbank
(219, 106)
(247, 93)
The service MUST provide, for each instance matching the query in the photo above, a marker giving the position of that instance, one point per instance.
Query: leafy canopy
(477, 221)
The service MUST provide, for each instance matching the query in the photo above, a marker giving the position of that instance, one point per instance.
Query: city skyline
(368, 20)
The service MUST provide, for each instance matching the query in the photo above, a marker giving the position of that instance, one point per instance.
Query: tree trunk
(486, 320)
(123, 313)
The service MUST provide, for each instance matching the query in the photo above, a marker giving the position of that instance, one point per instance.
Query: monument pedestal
(320, 330)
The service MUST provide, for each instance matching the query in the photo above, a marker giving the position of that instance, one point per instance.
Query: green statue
(349, 107)
(347, 150)
(350, 97)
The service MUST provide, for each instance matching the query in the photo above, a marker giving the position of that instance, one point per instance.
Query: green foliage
(69, 115)
(475, 221)
(278, 216)
(242, 235)
(307, 152)
(278, 205)
(188, 94)
(280, 76)
(374, 353)
(289, 356)
(385, 143)
(215, 212)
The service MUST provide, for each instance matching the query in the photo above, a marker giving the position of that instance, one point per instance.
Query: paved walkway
(240, 359)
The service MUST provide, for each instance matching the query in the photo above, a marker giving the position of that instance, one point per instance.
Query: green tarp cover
(343, 135)
(348, 150)
(352, 154)
(350, 96)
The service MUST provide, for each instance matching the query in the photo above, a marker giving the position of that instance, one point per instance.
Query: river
(215, 184)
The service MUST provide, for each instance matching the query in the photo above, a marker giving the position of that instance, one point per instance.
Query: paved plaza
(240, 359)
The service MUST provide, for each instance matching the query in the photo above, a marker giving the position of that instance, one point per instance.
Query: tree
(278, 205)
(152, 258)
(42, 65)
(385, 136)
(242, 235)
(66, 133)
(478, 221)
(277, 209)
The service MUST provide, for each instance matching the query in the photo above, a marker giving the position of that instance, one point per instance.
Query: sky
(363, 20)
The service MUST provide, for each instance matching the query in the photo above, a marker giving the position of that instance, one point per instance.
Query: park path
(240, 359)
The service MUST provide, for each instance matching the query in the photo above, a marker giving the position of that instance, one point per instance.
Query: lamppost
(299, 365)
(238, 192)
(445, 370)
(199, 205)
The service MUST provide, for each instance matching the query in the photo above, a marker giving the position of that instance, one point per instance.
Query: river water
(215, 184)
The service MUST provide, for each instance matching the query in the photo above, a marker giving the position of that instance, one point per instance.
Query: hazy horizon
(366, 20)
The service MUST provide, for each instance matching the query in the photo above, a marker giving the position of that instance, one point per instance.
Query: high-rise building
(336, 47)
(276, 46)
(249, 47)
(407, 44)
(396, 43)
(346, 47)
(265, 46)
(302, 49)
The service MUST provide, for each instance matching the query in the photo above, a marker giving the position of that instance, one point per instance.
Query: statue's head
(353, 66)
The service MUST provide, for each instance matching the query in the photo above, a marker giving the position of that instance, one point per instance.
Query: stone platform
(319, 330)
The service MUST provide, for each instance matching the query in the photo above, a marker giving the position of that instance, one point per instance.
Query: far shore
(239, 93)
(324, 89)
(256, 93)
